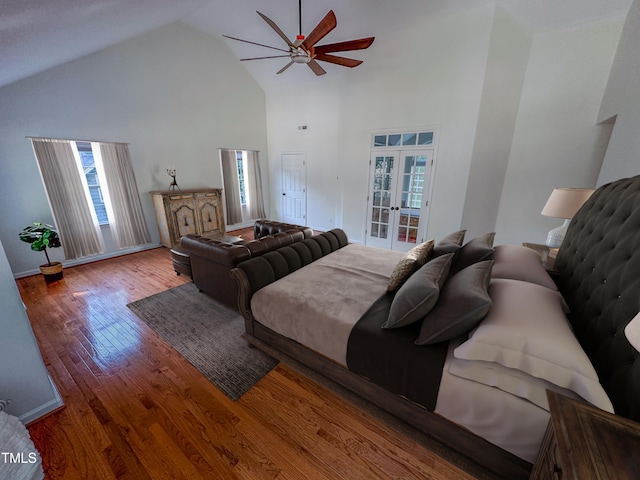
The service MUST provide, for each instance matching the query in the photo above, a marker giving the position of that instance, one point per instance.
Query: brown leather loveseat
(212, 260)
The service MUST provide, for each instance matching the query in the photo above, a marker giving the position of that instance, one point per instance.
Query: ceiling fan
(304, 50)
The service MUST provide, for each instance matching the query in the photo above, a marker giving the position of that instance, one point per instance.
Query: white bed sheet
(508, 421)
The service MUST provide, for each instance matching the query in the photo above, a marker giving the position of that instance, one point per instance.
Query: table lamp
(563, 203)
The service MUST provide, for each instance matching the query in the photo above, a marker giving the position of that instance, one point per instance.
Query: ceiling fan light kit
(300, 56)
(303, 49)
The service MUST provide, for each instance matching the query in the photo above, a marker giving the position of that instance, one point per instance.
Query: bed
(473, 370)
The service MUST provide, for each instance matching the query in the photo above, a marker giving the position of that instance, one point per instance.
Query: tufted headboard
(599, 265)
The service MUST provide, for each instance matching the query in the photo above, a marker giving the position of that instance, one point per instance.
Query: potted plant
(42, 236)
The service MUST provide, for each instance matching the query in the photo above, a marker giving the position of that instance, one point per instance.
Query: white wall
(23, 376)
(435, 79)
(556, 142)
(502, 89)
(516, 116)
(175, 94)
(622, 99)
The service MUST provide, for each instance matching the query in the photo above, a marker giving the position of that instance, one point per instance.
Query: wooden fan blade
(260, 58)
(345, 62)
(359, 44)
(317, 69)
(254, 43)
(273, 25)
(285, 67)
(327, 24)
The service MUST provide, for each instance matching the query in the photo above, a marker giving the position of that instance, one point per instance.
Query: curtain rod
(71, 140)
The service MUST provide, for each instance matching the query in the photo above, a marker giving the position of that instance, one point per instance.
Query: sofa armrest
(264, 227)
(215, 250)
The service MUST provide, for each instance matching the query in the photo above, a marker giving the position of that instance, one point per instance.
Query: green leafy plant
(41, 236)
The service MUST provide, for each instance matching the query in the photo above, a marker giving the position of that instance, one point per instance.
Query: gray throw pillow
(464, 301)
(449, 244)
(476, 250)
(417, 296)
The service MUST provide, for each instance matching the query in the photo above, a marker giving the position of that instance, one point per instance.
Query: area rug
(208, 335)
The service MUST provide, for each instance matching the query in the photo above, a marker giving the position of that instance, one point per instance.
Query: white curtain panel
(255, 196)
(124, 209)
(231, 186)
(69, 198)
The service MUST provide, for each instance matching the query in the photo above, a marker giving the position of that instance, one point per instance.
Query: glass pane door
(398, 194)
(413, 172)
(381, 195)
(382, 185)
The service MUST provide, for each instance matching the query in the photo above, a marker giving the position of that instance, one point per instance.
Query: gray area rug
(207, 334)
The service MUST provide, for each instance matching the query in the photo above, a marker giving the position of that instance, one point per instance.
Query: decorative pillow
(527, 330)
(520, 263)
(449, 244)
(476, 250)
(409, 263)
(419, 294)
(422, 252)
(464, 301)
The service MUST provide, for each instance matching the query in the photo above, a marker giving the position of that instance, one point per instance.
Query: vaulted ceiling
(36, 35)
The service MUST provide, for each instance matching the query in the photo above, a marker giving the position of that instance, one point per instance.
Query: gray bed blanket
(319, 304)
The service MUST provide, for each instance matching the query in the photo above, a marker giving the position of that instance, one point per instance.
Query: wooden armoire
(179, 212)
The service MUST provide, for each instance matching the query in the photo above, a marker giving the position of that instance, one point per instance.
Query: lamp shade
(632, 332)
(565, 202)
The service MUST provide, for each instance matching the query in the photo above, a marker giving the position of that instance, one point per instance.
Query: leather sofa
(211, 260)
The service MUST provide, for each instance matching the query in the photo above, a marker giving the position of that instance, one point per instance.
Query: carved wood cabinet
(178, 212)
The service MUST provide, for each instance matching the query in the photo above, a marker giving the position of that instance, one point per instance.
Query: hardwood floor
(135, 409)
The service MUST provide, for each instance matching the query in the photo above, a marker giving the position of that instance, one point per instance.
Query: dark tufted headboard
(599, 265)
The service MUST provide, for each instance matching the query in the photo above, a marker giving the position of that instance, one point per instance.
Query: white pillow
(520, 263)
(526, 329)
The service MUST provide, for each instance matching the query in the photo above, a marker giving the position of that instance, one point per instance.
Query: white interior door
(294, 188)
(398, 200)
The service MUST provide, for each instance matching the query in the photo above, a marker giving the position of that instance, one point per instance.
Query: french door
(398, 200)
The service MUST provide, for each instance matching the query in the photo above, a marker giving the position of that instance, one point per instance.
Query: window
(405, 139)
(241, 177)
(242, 185)
(93, 180)
(98, 183)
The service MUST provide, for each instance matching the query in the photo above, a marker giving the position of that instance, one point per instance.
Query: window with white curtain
(89, 184)
(242, 180)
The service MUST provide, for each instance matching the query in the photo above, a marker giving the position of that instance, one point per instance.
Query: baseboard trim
(93, 258)
(45, 409)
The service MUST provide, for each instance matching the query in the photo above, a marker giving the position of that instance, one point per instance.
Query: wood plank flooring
(135, 409)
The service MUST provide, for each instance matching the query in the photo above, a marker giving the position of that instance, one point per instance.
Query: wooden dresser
(583, 442)
(178, 212)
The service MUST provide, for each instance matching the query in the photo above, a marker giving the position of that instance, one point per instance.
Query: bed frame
(599, 265)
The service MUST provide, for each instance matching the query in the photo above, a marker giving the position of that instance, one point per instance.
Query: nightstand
(583, 442)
